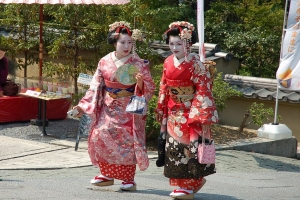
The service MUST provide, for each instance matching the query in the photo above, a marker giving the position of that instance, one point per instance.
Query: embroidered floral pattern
(183, 120)
(116, 137)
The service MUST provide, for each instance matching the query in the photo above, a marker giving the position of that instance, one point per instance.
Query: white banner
(288, 73)
(200, 28)
(294, 13)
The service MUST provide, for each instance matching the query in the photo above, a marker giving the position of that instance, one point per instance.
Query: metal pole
(283, 33)
(41, 42)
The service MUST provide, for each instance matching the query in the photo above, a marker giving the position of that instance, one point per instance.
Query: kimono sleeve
(203, 109)
(162, 97)
(92, 101)
(149, 85)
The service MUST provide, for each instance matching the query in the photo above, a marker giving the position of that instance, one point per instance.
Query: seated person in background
(3, 71)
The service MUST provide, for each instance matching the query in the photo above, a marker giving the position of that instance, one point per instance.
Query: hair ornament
(116, 25)
(137, 35)
(186, 32)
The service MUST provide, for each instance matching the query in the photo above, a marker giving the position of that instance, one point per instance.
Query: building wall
(33, 70)
(227, 67)
(236, 109)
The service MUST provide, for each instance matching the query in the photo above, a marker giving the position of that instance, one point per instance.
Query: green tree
(222, 91)
(258, 51)
(74, 32)
(259, 114)
(250, 29)
(153, 17)
(22, 21)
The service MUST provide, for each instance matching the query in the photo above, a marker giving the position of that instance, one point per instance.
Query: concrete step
(288, 148)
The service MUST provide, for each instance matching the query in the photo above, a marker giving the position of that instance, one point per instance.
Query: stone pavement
(25, 154)
(35, 170)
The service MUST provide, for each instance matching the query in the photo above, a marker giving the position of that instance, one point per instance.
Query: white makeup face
(176, 46)
(123, 46)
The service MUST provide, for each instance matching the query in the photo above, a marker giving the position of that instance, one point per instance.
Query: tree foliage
(21, 20)
(250, 29)
(222, 91)
(259, 115)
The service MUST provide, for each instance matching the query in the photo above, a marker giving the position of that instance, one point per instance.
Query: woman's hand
(205, 130)
(158, 117)
(80, 111)
(140, 82)
(205, 127)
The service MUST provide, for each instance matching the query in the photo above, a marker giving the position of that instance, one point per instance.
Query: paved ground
(35, 170)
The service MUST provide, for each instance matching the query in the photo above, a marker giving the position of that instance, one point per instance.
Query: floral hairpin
(137, 35)
(185, 33)
(182, 24)
(115, 25)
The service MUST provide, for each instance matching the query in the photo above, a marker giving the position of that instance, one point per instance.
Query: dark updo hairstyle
(176, 31)
(112, 39)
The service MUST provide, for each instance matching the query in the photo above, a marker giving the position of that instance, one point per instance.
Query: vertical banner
(200, 28)
(288, 73)
(294, 13)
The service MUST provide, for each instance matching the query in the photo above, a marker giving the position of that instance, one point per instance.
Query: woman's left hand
(205, 128)
(140, 82)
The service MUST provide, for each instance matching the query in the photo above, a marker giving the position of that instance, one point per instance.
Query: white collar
(120, 62)
(178, 62)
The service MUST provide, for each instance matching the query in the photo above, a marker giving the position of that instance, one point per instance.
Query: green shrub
(152, 127)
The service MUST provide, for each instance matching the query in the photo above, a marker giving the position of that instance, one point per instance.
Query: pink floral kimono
(186, 102)
(117, 138)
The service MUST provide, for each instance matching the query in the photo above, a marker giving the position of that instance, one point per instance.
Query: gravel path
(58, 129)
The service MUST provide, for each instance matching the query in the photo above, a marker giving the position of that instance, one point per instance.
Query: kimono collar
(120, 62)
(178, 62)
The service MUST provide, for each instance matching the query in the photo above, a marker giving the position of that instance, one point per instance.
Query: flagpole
(200, 28)
(282, 37)
(276, 131)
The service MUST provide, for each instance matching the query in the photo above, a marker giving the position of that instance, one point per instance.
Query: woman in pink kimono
(185, 109)
(116, 141)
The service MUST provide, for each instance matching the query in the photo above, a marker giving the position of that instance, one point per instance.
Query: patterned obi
(117, 90)
(181, 91)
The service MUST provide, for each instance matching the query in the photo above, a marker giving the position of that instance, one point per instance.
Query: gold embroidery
(122, 93)
(182, 94)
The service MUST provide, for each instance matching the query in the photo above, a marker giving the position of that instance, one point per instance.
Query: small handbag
(10, 88)
(206, 151)
(137, 104)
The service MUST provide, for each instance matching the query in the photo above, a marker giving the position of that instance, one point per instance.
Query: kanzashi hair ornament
(137, 35)
(115, 25)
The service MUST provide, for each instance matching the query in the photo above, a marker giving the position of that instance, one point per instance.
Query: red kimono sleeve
(203, 109)
(161, 105)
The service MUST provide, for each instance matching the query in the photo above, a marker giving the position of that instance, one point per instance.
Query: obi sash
(117, 90)
(181, 91)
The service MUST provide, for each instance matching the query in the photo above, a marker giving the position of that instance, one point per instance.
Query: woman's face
(123, 46)
(176, 46)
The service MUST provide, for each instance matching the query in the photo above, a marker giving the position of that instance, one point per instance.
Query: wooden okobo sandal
(102, 181)
(128, 186)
